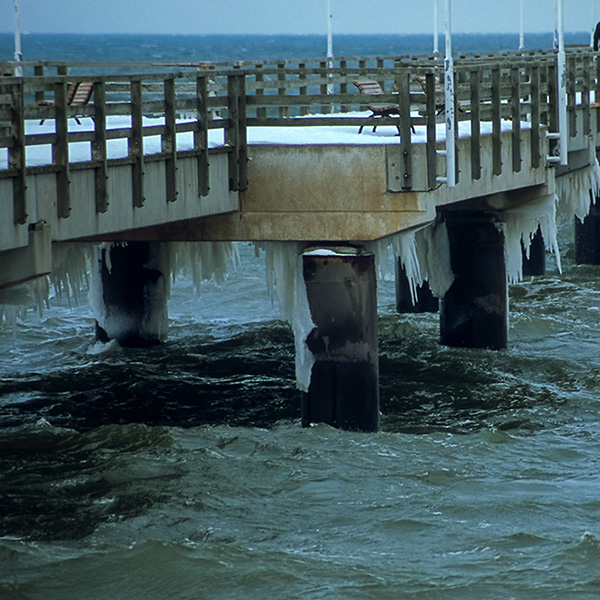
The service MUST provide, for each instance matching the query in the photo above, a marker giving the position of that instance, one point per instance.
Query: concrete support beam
(34, 260)
(425, 300)
(474, 311)
(587, 237)
(344, 387)
(535, 264)
(130, 288)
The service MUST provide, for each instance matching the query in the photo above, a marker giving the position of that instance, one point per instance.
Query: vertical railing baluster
(281, 91)
(235, 134)
(169, 139)
(496, 122)
(201, 134)
(403, 85)
(99, 153)
(585, 93)
(535, 116)
(261, 111)
(304, 109)
(16, 155)
(136, 144)
(475, 87)
(572, 95)
(515, 84)
(552, 107)
(431, 149)
(60, 151)
(344, 86)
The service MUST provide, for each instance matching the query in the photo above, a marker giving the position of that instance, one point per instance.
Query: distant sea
(181, 471)
(193, 48)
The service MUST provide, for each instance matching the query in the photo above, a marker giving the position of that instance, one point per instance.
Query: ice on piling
(574, 191)
(424, 253)
(520, 224)
(285, 283)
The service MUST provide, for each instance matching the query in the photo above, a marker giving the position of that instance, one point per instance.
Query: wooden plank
(456, 145)
(571, 95)
(585, 95)
(403, 84)
(99, 153)
(60, 151)
(303, 89)
(261, 111)
(535, 117)
(344, 85)
(136, 144)
(431, 149)
(496, 124)
(169, 140)
(38, 71)
(552, 107)
(16, 156)
(475, 112)
(235, 134)
(282, 89)
(201, 135)
(515, 76)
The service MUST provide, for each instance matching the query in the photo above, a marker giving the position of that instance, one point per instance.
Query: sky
(289, 16)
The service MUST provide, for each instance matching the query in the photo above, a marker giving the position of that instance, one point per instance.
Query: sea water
(181, 471)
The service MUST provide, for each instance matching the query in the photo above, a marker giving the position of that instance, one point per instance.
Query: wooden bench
(370, 87)
(78, 94)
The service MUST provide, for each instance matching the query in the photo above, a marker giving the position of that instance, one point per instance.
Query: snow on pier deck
(272, 151)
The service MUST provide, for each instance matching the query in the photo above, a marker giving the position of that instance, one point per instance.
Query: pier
(271, 152)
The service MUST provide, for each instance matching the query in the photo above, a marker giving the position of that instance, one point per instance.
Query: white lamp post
(450, 178)
(521, 28)
(18, 51)
(436, 47)
(562, 85)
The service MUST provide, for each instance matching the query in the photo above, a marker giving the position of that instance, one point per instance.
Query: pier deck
(271, 151)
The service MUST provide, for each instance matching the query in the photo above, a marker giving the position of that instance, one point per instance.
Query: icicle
(403, 247)
(573, 190)
(520, 224)
(70, 267)
(285, 281)
(203, 261)
(433, 249)
(424, 254)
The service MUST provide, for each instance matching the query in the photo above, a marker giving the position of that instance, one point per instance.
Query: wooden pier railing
(133, 103)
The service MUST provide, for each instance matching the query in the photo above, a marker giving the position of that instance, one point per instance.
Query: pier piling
(344, 387)
(474, 311)
(131, 287)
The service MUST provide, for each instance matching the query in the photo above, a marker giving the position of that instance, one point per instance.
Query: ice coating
(574, 191)
(520, 224)
(202, 261)
(285, 282)
(424, 254)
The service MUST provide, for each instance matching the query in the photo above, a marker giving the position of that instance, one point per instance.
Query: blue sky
(288, 16)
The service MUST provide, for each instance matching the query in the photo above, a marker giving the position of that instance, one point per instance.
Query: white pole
(521, 29)
(18, 51)
(436, 45)
(329, 30)
(329, 42)
(593, 22)
(562, 86)
(449, 102)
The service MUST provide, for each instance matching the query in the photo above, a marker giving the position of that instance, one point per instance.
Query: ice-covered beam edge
(72, 265)
(573, 189)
